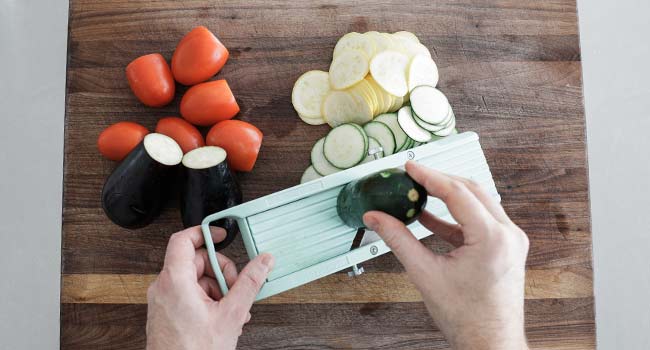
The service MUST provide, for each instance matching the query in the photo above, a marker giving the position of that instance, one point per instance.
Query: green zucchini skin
(391, 191)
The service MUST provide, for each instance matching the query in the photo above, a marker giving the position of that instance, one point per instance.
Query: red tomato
(241, 140)
(185, 134)
(198, 57)
(119, 139)
(208, 103)
(151, 80)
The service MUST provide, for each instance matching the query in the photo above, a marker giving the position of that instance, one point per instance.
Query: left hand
(185, 307)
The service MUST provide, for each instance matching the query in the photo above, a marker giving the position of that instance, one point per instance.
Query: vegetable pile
(135, 192)
(380, 98)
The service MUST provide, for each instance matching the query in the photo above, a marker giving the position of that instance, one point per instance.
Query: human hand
(186, 309)
(475, 293)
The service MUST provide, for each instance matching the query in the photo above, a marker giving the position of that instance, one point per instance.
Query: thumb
(408, 250)
(249, 282)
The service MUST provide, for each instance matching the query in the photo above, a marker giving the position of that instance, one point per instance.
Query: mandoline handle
(210, 246)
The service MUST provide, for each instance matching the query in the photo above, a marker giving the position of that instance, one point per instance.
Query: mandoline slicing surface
(309, 231)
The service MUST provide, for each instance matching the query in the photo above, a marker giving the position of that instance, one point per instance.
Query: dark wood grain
(550, 324)
(511, 69)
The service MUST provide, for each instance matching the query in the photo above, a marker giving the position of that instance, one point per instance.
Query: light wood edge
(568, 282)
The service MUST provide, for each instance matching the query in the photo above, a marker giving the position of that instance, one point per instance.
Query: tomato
(208, 103)
(151, 80)
(241, 140)
(198, 57)
(119, 139)
(185, 134)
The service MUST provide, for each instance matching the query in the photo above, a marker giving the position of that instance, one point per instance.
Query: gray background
(33, 40)
(616, 66)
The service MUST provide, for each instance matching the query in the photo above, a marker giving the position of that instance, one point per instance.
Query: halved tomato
(241, 140)
(185, 134)
(208, 103)
(198, 57)
(151, 80)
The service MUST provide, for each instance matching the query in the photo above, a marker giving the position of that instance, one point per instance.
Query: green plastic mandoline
(299, 226)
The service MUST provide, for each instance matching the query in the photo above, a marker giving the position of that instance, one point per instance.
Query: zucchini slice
(448, 130)
(374, 148)
(308, 94)
(392, 191)
(388, 68)
(321, 165)
(390, 119)
(429, 104)
(422, 71)
(345, 146)
(434, 127)
(411, 128)
(208, 187)
(347, 69)
(310, 174)
(382, 133)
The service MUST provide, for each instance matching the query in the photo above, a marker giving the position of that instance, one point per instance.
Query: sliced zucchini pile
(370, 74)
(379, 97)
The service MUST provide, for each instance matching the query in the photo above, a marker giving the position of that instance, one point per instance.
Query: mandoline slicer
(299, 226)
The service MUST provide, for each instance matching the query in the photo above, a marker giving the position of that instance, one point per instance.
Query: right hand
(475, 293)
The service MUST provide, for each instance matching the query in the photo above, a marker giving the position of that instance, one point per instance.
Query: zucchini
(429, 104)
(310, 174)
(382, 133)
(346, 146)
(138, 188)
(411, 128)
(374, 148)
(208, 187)
(390, 119)
(321, 165)
(392, 191)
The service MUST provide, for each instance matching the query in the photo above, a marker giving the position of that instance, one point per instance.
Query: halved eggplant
(137, 189)
(209, 187)
(392, 191)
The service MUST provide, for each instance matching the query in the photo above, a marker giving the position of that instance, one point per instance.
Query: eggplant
(136, 191)
(392, 191)
(208, 187)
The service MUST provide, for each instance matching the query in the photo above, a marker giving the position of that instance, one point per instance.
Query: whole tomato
(198, 57)
(241, 140)
(208, 103)
(151, 80)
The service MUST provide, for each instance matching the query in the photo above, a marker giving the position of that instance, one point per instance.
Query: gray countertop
(33, 36)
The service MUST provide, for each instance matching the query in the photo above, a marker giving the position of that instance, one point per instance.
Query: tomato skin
(118, 140)
(185, 134)
(198, 57)
(151, 80)
(241, 140)
(208, 103)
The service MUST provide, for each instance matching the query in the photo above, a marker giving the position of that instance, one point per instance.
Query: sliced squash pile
(373, 74)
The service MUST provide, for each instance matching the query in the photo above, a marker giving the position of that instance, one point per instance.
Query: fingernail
(267, 261)
(370, 222)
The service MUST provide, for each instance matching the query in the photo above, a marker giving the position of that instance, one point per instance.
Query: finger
(248, 317)
(492, 205)
(204, 267)
(182, 245)
(461, 202)
(449, 232)
(210, 287)
(248, 284)
(408, 250)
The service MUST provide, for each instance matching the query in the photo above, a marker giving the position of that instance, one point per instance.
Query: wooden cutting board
(511, 70)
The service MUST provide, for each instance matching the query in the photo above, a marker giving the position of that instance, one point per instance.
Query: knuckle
(250, 278)
(152, 290)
